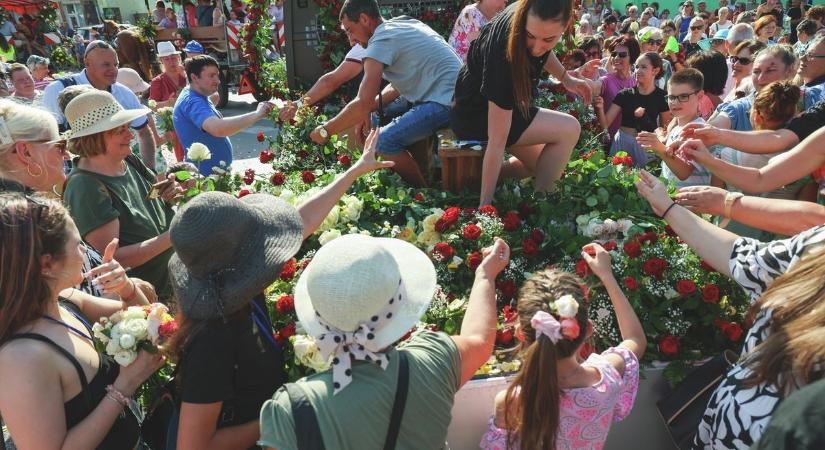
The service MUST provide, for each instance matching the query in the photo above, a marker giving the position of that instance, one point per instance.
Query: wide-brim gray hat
(351, 279)
(228, 250)
(98, 111)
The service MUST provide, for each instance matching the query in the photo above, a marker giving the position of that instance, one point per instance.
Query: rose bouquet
(136, 328)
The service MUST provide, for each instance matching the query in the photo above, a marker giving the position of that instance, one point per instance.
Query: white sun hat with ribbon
(97, 111)
(359, 295)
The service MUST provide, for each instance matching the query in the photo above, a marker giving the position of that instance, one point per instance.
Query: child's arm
(606, 118)
(633, 335)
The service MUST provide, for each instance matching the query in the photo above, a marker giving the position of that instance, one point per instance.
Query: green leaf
(605, 172)
(591, 201)
(449, 326)
(603, 195)
(183, 175)
(210, 184)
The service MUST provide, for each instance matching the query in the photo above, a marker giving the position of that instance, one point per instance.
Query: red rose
(633, 249)
(448, 219)
(582, 269)
(610, 246)
(706, 267)
(472, 232)
(277, 179)
(732, 331)
(628, 161)
(669, 346)
(529, 247)
(570, 328)
(504, 337)
(168, 328)
(525, 209)
(510, 314)
(419, 197)
(537, 236)
(283, 335)
(260, 137)
(474, 260)
(630, 283)
(669, 231)
(344, 160)
(710, 293)
(243, 193)
(285, 304)
(249, 176)
(266, 156)
(288, 271)
(443, 252)
(685, 287)
(511, 221)
(469, 212)
(301, 154)
(307, 176)
(508, 288)
(655, 267)
(649, 237)
(489, 210)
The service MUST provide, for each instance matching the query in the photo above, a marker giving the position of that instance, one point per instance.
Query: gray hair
(739, 33)
(35, 60)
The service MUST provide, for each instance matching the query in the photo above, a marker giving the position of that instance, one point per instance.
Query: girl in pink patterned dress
(469, 22)
(556, 401)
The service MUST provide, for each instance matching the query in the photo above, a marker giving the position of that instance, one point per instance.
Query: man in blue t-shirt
(196, 120)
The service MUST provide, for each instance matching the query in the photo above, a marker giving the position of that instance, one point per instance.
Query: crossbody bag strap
(400, 401)
(307, 430)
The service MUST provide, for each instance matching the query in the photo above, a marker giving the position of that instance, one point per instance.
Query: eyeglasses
(741, 61)
(697, 27)
(655, 41)
(682, 98)
(595, 54)
(811, 56)
(618, 54)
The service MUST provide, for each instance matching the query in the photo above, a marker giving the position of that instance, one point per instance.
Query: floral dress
(586, 414)
(737, 415)
(466, 28)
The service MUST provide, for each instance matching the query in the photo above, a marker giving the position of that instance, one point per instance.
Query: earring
(29, 170)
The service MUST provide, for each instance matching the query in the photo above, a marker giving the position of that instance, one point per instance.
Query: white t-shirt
(355, 54)
(716, 27)
(699, 177)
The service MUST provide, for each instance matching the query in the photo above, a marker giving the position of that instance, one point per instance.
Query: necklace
(69, 327)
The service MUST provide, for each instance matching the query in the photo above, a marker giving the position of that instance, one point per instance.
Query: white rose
(429, 238)
(610, 226)
(624, 225)
(327, 236)
(308, 354)
(125, 357)
(127, 341)
(113, 346)
(135, 327)
(330, 221)
(672, 293)
(198, 152)
(597, 230)
(567, 306)
(133, 312)
(99, 334)
(455, 263)
(352, 208)
(365, 232)
(429, 222)
(582, 220)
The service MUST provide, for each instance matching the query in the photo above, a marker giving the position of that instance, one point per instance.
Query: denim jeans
(412, 123)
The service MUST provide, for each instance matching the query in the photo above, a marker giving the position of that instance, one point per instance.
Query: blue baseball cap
(193, 47)
(721, 35)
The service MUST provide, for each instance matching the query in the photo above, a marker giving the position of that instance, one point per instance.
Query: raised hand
(654, 191)
(496, 258)
(650, 141)
(368, 162)
(110, 276)
(598, 259)
(708, 134)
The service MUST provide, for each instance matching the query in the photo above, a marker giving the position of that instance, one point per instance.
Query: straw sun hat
(228, 250)
(97, 111)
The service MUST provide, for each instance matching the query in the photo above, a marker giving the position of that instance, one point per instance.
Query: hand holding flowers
(599, 260)
(127, 332)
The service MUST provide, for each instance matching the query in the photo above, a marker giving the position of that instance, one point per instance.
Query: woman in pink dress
(557, 401)
(469, 22)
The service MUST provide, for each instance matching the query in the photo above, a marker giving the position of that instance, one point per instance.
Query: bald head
(740, 32)
(101, 64)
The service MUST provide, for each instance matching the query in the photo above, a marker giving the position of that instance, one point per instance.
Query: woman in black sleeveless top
(57, 390)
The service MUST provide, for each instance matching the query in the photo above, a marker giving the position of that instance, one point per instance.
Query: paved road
(245, 144)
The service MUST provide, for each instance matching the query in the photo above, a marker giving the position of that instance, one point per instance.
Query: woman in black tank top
(57, 389)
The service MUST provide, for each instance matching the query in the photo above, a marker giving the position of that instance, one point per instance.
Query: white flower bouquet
(137, 328)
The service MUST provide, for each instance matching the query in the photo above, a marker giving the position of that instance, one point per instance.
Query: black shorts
(472, 126)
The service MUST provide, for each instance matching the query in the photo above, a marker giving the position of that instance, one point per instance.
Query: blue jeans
(412, 123)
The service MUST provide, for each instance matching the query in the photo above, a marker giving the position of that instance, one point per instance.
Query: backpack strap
(400, 401)
(84, 384)
(307, 430)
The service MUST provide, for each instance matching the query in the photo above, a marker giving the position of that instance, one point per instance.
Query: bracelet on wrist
(672, 204)
(730, 199)
(114, 399)
(113, 393)
(132, 294)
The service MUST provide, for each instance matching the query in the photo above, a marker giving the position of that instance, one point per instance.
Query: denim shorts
(412, 123)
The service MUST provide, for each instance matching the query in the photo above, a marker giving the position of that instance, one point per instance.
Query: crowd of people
(722, 103)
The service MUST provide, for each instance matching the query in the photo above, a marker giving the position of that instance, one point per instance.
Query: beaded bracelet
(668, 210)
(116, 395)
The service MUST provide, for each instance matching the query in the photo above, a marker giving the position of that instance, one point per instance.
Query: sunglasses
(594, 54)
(741, 61)
(618, 54)
(655, 41)
(682, 98)
(697, 27)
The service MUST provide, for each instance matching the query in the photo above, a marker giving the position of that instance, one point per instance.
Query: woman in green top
(107, 193)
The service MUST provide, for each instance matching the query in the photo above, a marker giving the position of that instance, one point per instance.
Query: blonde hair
(88, 146)
(25, 124)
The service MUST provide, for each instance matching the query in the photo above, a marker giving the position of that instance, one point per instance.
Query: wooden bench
(460, 167)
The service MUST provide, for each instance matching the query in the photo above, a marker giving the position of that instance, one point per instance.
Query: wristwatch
(730, 199)
(323, 132)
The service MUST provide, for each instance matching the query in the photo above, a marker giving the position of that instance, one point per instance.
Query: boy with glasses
(684, 95)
